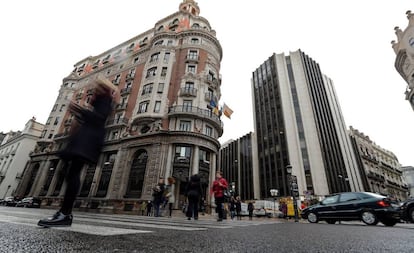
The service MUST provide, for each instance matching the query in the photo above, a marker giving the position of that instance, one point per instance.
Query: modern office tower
(298, 122)
(404, 62)
(15, 149)
(165, 123)
(379, 168)
(236, 161)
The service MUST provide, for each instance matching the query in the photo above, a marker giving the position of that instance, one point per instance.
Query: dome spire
(190, 6)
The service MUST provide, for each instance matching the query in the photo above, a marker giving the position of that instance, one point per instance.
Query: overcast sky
(42, 40)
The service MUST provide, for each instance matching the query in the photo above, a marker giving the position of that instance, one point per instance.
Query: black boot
(57, 220)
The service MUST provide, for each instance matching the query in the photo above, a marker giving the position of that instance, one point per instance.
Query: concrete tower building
(165, 123)
(298, 122)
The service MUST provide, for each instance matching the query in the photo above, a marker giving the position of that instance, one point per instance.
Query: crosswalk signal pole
(293, 190)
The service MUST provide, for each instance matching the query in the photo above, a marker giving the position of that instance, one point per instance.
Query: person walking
(238, 207)
(143, 207)
(158, 195)
(84, 146)
(149, 208)
(193, 192)
(170, 195)
(250, 208)
(219, 185)
(232, 204)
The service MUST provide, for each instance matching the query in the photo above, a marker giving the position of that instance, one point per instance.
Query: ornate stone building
(15, 148)
(404, 62)
(165, 122)
(380, 170)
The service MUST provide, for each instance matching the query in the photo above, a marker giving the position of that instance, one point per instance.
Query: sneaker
(189, 218)
(57, 220)
(220, 219)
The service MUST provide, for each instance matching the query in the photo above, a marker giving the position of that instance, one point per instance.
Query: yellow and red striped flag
(227, 111)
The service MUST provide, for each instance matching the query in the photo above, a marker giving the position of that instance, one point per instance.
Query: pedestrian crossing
(116, 224)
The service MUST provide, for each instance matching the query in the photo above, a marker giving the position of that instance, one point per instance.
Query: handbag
(227, 193)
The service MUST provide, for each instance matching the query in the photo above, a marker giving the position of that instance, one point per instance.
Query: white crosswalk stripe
(109, 224)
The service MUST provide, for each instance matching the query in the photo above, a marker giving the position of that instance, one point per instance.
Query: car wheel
(313, 218)
(411, 214)
(389, 222)
(330, 221)
(369, 218)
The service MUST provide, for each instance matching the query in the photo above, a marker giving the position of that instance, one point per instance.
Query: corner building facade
(163, 123)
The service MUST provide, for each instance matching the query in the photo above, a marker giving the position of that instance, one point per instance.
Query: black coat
(194, 188)
(87, 140)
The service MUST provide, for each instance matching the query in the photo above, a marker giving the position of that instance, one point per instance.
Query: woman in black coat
(84, 146)
(193, 192)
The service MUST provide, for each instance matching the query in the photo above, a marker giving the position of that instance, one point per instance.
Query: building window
(187, 105)
(136, 59)
(185, 125)
(159, 43)
(209, 131)
(193, 55)
(48, 121)
(164, 71)
(143, 107)
(54, 107)
(166, 57)
(210, 76)
(154, 57)
(160, 88)
(195, 41)
(151, 72)
(56, 121)
(191, 68)
(147, 89)
(181, 151)
(157, 106)
(137, 174)
(170, 43)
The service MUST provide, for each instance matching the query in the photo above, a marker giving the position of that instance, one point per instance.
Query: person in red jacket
(219, 185)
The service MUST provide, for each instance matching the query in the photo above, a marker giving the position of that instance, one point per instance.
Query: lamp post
(5, 194)
(293, 186)
(274, 193)
(345, 180)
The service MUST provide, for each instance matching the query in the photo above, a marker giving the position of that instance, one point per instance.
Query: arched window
(32, 178)
(137, 174)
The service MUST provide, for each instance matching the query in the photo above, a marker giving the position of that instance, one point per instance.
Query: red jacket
(219, 185)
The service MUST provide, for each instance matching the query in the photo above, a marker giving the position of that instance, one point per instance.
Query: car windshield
(330, 200)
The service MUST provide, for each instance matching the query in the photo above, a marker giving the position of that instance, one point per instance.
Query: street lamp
(293, 186)
(274, 193)
(5, 194)
(345, 179)
(233, 188)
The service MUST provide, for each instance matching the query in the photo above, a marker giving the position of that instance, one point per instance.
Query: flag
(227, 111)
(213, 103)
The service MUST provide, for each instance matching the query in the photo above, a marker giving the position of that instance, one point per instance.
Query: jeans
(220, 207)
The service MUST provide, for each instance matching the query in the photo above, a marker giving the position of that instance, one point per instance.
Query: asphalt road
(128, 233)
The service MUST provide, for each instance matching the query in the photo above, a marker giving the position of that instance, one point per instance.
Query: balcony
(188, 92)
(68, 122)
(115, 122)
(192, 58)
(121, 107)
(196, 112)
(125, 91)
(115, 81)
(130, 76)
